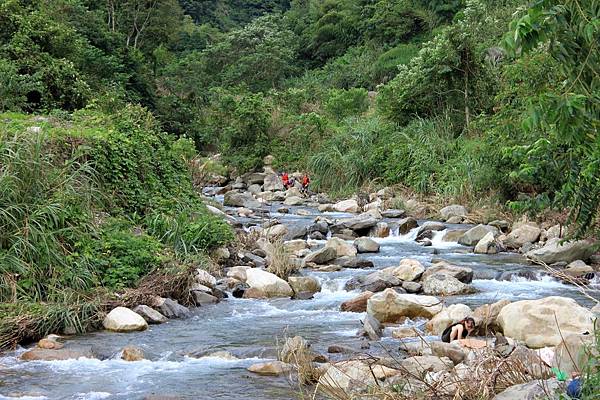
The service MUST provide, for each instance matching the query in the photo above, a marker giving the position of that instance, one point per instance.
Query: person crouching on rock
(459, 330)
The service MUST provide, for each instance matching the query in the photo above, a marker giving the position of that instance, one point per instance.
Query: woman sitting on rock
(459, 330)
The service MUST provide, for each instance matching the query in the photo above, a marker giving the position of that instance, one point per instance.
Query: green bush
(188, 228)
(136, 162)
(344, 103)
(122, 254)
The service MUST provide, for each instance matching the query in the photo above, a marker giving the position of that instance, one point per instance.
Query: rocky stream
(207, 354)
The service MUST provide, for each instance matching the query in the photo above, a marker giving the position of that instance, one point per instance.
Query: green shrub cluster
(95, 200)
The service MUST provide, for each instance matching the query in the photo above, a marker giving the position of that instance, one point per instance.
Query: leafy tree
(571, 30)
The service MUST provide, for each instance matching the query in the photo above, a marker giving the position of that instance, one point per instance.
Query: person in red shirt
(285, 178)
(305, 183)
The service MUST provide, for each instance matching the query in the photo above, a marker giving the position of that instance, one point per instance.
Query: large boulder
(270, 285)
(271, 368)
(475, 234)
(149, 314)
(341, 247)
(444, 285)
(240, 199)
(357, 304)
(238, 272)
(486, 316)
(171, 308)
(448, 316)
(577, 268)
(487, 245)
(554, 251)
(304, 284)
(391, 306)
(366, 245)
(408, 270)
(463, 274)
(374, 282)
(453, 210)
(540, 323)
(293, 201)
(122, 319)
(523, 234)
(353, 262)
(257, 178)
(349, 206)
(39, 354)
(405, 225)
(349, 376)
(294, 246)
(204, 278)
(359, 223)
(272, 183)
(321, 256)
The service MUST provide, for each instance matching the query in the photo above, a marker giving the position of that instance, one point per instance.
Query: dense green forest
(464, 99)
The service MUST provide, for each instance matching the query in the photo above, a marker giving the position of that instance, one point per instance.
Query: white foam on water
(24, 397)
(438, 242)
(92, 396)
(346, 332)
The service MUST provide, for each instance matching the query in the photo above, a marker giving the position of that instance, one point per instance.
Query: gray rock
(255, 178)
(249, 257)
(203, 298)
(463, 274)
(372, 327)
(237, 199)
(172, 309)
(524, 234)
(366, 245)
(393, 213)
(320, 226)
(321, 256)
(295, 232)
(442, 284)
(272, 183)
(360, 222)
(374, 282)
(412, 287)
(406, 224)
(353, 262)
(150, 315)
(475, 234)
(554, 251)
(453, 210)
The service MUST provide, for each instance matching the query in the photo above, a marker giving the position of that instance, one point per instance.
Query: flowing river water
(250, 329)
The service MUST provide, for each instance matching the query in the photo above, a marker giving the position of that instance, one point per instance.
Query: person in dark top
(459, 330)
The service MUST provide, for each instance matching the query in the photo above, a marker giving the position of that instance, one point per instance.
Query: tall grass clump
(352, 157)
(46, 200)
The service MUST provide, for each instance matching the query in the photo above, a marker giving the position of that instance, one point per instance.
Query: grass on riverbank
(92, 205)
